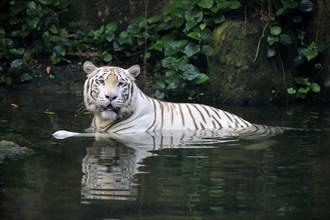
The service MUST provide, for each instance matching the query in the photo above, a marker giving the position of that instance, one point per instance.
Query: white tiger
(119, 106)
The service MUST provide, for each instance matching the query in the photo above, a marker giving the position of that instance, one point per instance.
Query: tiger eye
(101, 81)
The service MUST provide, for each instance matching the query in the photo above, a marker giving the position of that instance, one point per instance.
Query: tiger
(119, 106)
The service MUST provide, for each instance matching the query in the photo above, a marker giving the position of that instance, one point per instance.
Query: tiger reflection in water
(108, 172)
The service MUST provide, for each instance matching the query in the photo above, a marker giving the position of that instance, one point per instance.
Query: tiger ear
(134, 70)
(89, 67)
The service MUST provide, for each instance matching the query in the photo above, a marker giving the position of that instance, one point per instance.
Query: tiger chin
(119, 106)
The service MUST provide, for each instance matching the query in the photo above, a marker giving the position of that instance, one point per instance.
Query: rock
(11, 150)
(235, 77)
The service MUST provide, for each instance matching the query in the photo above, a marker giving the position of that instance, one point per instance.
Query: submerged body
(119, 106)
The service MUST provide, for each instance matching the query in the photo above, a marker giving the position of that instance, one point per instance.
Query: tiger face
(108, 90)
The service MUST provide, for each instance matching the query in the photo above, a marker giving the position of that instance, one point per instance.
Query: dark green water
(283, 177)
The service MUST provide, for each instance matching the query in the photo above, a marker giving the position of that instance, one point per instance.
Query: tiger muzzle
(110, 108)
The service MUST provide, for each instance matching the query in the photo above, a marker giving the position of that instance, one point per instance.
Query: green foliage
(174, 46)
(305, 87)
(180, 39)
(34, 29)
(286, 31)
(185, 48)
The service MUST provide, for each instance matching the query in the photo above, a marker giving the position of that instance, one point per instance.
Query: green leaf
(315, 87)
(33, 21)
(302, 81)
(223, 5)
(9, 43)
(47, 2)
(16, 64)
(272, 40)
(159, 95)
(234, 4)
(189, 72)
(17, 52)
(110, 37)
(195, 15)
(201, 78)
(54, 58)
(207, 50)
(285, 39)
(26, 77)
(303, 90)
(173, 47)
(194, 35)
(191, 49)
(280, 12)
(59, 50)
(202, 26)
(106, 57)
(298, 60)
(206, 35)
(6, 80)
(172, 80)
(291, 91)
(318, 66)
(154, 19)
(32, 5)
(111, 27)
(53, 29)
(276, 30)
(310, 53)
(289, 4)
(221, 18)
(205, 4)
(189, 25)
(306, 5)
(160, 85)
(174, 63)
(123, 37)
(270, 52)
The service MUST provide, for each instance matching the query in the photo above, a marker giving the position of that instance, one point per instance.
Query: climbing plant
(34, 28)
(174, 46)
(285, 29)
(180, 39)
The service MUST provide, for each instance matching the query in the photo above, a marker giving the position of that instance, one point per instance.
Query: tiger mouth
(109, 108)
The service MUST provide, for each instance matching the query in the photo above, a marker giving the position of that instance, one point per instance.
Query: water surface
(281, 177)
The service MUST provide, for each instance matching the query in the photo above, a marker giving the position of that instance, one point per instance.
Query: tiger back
(119, 106)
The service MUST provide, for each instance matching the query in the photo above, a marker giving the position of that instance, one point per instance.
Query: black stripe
(181, 113)
(199, 112)
(229, 116)
(206, 109)
(215, 118)
(214, 126)
(111, 124)
(124, 128)
(172, 112)
(132, 89)
(246, 124)
(155, 114)
(216, 111)
(161, 105)
(191, 115)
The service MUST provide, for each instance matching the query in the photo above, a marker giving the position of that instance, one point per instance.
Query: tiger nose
(111, 97)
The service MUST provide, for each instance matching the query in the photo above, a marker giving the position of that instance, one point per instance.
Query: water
(282, 177)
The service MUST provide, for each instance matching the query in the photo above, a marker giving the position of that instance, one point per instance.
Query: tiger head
(108, 90)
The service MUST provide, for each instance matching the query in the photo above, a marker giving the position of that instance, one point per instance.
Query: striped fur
(119, 106)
